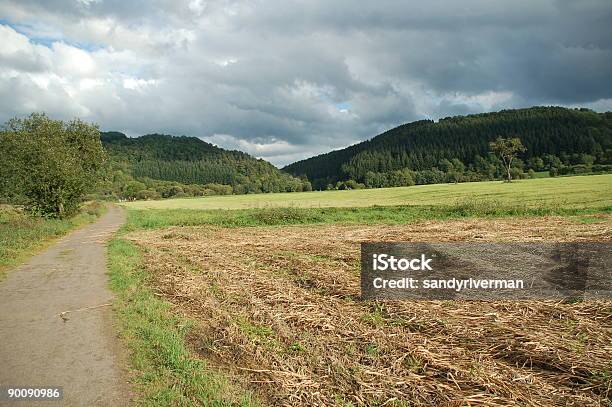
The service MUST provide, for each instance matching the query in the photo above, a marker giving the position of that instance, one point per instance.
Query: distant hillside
(557, 139)
(189, 160)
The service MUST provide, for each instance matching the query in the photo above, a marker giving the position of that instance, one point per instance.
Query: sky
(285, 80)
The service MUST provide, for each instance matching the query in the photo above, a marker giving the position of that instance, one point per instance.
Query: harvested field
(279, 313)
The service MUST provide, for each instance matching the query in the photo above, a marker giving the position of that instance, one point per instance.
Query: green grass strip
(165, 372)
(159, 218)
(23, 235)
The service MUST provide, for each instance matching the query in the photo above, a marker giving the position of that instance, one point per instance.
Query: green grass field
(593, 191)
(160, 218)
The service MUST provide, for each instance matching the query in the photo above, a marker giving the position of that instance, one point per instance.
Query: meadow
(578, 191)
(259, 305)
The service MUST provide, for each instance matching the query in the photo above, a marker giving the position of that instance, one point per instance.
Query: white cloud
(138, 84)
(72, 61)
(18, 53)
(226, 62)
(87, 2)
(197, 6)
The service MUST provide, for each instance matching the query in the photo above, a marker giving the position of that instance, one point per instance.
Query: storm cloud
(285, 80)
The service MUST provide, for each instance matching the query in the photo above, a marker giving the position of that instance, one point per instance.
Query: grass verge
(158, 218)
(22, 235)
(164, 371)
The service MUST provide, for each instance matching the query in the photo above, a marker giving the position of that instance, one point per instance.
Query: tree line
(487, 168)
(559, 140)
(158, 165)
(50, 166)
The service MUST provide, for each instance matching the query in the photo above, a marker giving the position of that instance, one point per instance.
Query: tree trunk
(509, 165)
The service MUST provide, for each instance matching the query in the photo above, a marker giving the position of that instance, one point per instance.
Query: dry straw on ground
(280, 313)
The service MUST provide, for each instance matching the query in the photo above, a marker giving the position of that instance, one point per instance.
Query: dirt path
(38, 347)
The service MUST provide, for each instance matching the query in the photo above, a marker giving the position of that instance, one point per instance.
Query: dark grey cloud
(284, 80)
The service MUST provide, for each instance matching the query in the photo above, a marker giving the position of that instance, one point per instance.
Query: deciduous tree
(50, 163)
(507, 149)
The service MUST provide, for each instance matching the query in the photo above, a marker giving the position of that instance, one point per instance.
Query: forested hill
(556, 138)
(189, 160)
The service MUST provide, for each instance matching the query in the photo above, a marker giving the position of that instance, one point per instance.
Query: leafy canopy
(49, 164)
(507, 149)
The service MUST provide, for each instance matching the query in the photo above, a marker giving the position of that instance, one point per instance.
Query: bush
(148, 194)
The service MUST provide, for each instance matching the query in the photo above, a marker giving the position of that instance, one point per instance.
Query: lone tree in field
(49, 164)
(507, 149)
